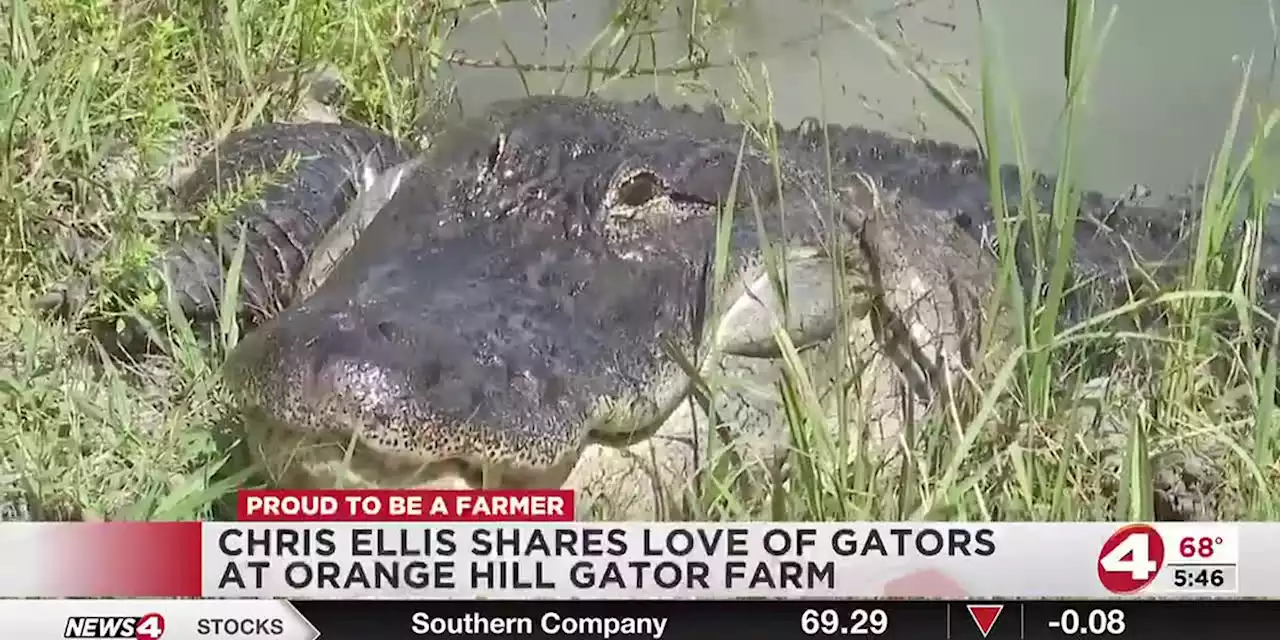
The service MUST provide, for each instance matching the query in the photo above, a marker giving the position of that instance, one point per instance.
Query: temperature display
(1168, 559)
(1202, 547)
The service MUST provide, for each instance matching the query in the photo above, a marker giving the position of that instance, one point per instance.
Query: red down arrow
(984, 615)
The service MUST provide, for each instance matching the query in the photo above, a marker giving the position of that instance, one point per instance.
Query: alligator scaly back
(310, 174)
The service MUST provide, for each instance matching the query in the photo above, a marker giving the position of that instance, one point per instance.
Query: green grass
(89, 126)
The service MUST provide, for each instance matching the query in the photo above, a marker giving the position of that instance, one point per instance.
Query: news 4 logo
(1131, 559)
(147, 627)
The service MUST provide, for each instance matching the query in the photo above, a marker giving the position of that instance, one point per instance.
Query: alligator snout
(448, 348)
(343, 395)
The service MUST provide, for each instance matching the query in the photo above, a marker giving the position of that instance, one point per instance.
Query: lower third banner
(637, 561)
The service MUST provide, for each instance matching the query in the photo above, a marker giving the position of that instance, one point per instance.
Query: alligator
(542, 297)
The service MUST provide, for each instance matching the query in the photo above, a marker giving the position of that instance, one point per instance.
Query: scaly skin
(505, 317)
(310, 173)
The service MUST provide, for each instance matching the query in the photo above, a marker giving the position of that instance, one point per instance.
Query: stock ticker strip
(638, 619)
(783, 619)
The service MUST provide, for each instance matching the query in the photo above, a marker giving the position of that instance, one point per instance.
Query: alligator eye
(639, 189)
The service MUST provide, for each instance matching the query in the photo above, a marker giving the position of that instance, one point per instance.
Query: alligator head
(513, 314)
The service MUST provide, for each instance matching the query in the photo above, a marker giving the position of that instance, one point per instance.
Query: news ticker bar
(626, 620)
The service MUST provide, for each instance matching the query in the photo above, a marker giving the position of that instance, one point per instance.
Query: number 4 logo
(1130, 559)
(150, 627)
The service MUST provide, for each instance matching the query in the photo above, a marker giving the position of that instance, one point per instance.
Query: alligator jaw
(365, 398)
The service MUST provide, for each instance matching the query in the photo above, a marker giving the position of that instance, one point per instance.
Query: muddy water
(1160, 101)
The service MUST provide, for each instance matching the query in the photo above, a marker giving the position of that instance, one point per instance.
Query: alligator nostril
(387, 330)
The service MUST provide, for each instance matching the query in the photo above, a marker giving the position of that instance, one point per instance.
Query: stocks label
(1167, 559)
(167, 620)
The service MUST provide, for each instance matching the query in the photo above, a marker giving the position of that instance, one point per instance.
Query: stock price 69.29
(834, 622)
(1198, 578)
